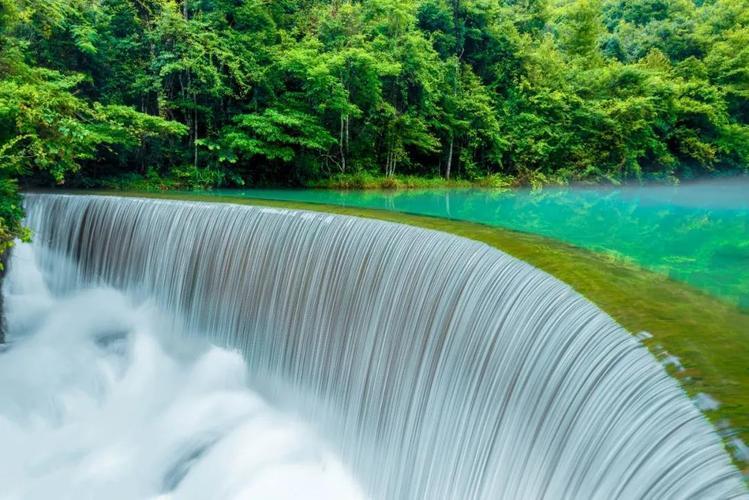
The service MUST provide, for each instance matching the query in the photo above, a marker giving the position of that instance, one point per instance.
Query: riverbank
(372, 182)
(361, 181)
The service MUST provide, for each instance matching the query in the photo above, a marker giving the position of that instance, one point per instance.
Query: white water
(435, 366)
(94, 403)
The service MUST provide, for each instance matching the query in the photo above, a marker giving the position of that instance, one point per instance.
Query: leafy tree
(45, 126)
(201, 93)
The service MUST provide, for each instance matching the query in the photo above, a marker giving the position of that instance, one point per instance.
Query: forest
(204, 93)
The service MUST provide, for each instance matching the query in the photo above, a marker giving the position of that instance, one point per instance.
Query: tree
(200, 93)
(45, 126)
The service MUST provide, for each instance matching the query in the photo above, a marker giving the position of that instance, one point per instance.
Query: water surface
(697, 232)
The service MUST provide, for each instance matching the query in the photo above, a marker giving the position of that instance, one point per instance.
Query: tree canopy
(242, 92)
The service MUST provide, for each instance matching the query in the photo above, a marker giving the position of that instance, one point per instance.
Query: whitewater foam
(96, 402)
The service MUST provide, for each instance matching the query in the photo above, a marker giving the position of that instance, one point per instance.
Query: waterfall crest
(438, 366)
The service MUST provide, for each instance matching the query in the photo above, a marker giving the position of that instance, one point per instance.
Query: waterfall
(437, 366)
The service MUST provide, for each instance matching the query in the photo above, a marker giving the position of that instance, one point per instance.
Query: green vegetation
(198, 93)
(10, 217)
(705, 333)
(366, 181)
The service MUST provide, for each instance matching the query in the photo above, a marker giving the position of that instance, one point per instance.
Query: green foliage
(365, 180)
(10, 216)
(202, 93)
(46, 127)
(49, 127)
(275, 134)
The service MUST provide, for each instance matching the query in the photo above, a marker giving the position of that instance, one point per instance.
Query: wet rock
(3, 268)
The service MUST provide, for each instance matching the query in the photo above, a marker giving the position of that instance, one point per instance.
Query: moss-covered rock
(3, 266)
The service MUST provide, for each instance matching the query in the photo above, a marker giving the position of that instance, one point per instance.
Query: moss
(709, 336)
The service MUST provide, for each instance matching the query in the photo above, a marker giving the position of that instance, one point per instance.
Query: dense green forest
(201, 93)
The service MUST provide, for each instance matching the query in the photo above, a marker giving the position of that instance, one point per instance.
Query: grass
(709, 336)
(366, 181)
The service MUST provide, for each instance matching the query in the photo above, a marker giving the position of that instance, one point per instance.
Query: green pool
(696, 232)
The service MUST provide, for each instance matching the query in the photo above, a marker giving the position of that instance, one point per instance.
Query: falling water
(96, 404)
(437, 367)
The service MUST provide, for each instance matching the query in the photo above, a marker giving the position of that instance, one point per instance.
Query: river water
(696, 232)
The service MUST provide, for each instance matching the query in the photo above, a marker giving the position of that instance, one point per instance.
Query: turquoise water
(697, 233)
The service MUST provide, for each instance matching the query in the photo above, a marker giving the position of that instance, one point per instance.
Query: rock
(3, 269)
